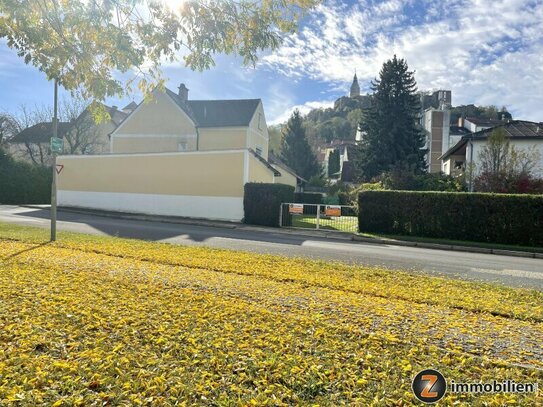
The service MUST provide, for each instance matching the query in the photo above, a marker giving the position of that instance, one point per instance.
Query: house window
(259, 151)
(458, 165)
(182, 146)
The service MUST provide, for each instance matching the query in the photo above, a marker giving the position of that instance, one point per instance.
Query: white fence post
(318, 215)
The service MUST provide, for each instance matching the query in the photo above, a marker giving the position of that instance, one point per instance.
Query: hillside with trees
(336, 123)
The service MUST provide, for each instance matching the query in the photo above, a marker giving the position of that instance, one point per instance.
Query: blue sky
(486, 52)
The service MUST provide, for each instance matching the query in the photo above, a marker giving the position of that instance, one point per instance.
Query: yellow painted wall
(194, 174)
(222, 138)
(258, 172)
(258, 132)
(160, 118)
(152, 144)
(286, 177)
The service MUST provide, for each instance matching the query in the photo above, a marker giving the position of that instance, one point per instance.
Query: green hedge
(23, 183)
(492, 218)
(262, 202)
(308, 198)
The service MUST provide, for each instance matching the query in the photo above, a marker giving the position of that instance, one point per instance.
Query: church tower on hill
(355, 87)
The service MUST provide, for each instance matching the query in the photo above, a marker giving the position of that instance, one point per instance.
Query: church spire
(355, 88)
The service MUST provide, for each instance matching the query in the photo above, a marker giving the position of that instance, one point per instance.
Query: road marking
(510, 272)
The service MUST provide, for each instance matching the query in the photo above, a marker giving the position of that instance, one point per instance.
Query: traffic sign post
(56, 147)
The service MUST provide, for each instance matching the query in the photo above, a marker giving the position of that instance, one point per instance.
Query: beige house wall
(125, 144)
(198, 174)
(286, 177)
(258, 137)
(258, 172)
(158, 125)
(222, 138)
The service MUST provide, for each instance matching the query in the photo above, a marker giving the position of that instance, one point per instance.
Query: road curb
(437, 246)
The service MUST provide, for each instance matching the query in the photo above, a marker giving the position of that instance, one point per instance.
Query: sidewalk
(327, 234)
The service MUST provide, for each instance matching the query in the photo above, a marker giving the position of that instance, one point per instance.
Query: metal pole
(54, 184)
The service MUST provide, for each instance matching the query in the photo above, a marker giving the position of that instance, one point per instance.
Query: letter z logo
(427, 390)
(429, 386)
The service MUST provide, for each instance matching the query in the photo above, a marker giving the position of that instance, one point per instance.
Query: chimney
(183, 92)
(461, 121)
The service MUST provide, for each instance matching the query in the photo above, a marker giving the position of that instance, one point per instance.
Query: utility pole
(54, 184)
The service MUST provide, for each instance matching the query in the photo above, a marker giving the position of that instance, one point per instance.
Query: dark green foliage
(23, 183)
(393, 135)
(402, 179)
(262, 202)
(333, 163)
(295, 150)
(336, 123)
(491, 218)
(307, 198)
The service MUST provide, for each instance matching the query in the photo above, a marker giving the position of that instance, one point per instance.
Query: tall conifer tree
(296, 151)
(394, 138)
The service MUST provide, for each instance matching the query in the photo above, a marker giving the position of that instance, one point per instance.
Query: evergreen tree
(295, 150)
(334, 164)
(393, 138)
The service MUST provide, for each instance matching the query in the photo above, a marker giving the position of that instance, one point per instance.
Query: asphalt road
(512, 271)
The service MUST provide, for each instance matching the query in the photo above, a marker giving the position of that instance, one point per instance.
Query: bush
(492, 218)
(307, 198)
(23, 183)
(262, 202)
(405, 180)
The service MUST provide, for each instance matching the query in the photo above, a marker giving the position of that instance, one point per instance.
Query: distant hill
(338, 122)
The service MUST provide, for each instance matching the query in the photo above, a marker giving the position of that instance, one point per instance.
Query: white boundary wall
(208, 207)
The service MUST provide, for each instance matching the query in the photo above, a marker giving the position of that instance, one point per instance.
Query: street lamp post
(54, 183)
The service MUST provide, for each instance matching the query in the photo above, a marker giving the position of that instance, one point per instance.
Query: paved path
(513, 271)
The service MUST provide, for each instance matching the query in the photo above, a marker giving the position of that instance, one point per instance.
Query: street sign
(296, 209)
(57, 145)
(59, 168)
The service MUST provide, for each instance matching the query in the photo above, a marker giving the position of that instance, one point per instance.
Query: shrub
(23, 183)
(492, 218)
(307, 198)
(405, 180)
(262, 202)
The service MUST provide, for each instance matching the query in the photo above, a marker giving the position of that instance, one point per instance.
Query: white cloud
(280, 101)
(303, 108)
(485, 51)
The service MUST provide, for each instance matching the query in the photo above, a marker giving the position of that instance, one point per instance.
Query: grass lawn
(343, 223)
(93, 321)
